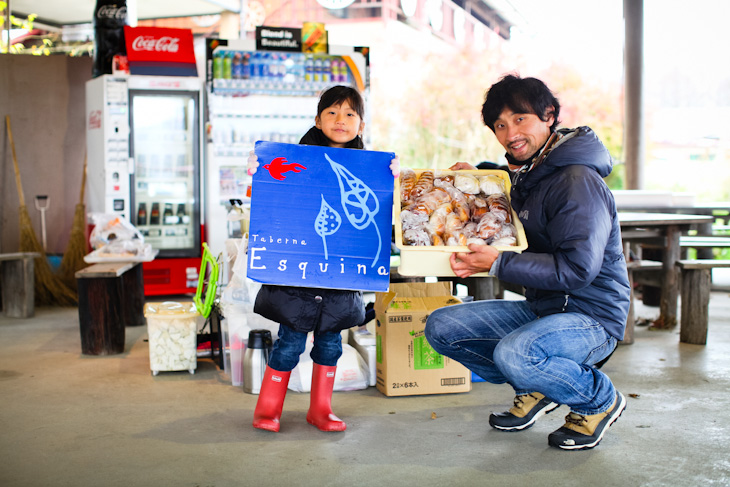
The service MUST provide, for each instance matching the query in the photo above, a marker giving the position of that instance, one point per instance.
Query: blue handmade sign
(321, 217)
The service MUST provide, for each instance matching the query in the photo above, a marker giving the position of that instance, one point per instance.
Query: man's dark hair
(521, 95)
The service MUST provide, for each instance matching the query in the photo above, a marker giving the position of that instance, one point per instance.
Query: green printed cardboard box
(406, 364)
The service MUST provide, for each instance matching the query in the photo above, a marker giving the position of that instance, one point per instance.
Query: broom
(73, 258)
(49, 289)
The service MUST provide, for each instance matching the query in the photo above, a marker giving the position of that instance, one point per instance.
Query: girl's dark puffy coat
(574, 261)
(307, 309)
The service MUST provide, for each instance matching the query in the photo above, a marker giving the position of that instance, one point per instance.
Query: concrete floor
(74, 420)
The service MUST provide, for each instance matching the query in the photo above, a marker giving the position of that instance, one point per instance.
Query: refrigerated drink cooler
(144, 148)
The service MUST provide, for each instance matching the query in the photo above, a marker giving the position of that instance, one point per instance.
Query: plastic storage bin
(434, 260)
(173, 337)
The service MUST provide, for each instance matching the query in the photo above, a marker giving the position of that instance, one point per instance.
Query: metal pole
(633, 73)
(7, 23)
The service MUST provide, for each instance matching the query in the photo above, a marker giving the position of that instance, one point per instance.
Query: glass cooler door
(166, 184)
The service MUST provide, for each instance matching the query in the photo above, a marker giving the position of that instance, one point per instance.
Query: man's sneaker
(583, 432)
(527, 408)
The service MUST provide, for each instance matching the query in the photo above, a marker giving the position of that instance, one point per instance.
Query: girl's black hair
(521, 95)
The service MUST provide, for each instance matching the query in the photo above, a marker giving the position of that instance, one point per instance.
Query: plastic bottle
(246, 65)
(227, 65)
(326, 70)
(344, 74)
(237, 66)
(317, 69)
(335, 70)
(299, 62)
(218, 65)
(309, 69)
(255, 65)
(264, 66)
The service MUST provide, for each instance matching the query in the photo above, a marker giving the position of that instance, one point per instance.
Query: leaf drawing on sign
(328, 221)
(358, 200)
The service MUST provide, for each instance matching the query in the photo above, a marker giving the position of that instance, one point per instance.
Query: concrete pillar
(230, 25)
(634, 134)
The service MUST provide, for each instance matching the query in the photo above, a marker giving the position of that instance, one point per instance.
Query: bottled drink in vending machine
(168, 217)
(273, 66)
(335, 69)
(237, 66)
(142, 214)
(326, 70)
(227, 65)
(218, 65)
(318, 69)
(309, 69)
(182, 216)
(155, 214)
(264, 66)
(246, 65)
(344, 75)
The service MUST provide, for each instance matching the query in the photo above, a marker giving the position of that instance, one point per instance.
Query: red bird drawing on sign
(279, 166)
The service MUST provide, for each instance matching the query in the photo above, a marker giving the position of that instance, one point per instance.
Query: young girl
(299, 310)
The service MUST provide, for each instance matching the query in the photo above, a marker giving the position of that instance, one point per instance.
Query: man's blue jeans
(285, 353)
(503, 341)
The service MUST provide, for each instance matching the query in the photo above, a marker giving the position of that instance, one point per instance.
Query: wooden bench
(17, 283)
(111, 296)
(638, 270)
(704, 241)
(695, 291)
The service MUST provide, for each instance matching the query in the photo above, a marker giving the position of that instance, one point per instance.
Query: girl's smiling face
(340, 124)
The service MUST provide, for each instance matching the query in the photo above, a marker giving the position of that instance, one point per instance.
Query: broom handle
(83, 180)
(15, 162)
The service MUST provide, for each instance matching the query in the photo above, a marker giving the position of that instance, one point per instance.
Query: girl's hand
(461, 165)
(253, 163)
(395, 167)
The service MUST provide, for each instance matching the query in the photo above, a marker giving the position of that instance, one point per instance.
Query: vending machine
(256, 93)
(144, 164)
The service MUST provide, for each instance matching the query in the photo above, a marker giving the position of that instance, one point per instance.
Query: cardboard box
(406, 363)
(434, 260)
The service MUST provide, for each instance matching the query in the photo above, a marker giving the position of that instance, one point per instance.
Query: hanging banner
(321, 217)
(160, 51)
(278, 39)
(314, 38)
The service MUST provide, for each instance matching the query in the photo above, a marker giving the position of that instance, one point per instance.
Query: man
(574, 273)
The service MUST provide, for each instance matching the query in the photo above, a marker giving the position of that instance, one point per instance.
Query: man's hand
(461, 165)
(253, 163)
(480, 259)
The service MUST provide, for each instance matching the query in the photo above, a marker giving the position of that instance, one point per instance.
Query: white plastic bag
(352, 371)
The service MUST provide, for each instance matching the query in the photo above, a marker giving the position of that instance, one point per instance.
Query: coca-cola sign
(150, 43)
(112, 12)
(159, 47)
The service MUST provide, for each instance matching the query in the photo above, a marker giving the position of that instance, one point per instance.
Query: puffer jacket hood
(574, 260)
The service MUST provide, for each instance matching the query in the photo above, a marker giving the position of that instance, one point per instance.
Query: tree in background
(433, 118)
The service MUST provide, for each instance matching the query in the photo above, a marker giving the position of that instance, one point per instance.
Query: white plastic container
(173, 336)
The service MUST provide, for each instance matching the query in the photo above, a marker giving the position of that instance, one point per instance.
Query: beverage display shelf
(267, 116)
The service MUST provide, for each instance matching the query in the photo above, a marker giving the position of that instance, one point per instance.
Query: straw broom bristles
(49, 289)
(73, 258)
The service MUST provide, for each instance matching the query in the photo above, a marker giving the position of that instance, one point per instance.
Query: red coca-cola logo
(150, 43)
(111, 12)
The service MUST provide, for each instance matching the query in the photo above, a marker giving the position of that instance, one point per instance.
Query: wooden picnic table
(664, 230)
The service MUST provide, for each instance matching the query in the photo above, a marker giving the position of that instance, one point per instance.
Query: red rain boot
(320, 409)
(271, 400)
